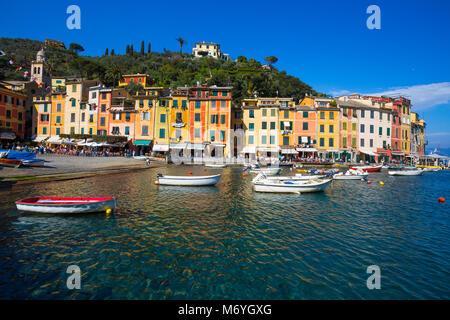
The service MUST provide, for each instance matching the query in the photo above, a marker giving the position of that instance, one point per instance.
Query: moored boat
(351, 175)
(66, 205)
(33, 163)
(10, 163)
(262, 184)
(187, 180)
(368, 168)
(416, 172)
(215, 165)
(297, 177)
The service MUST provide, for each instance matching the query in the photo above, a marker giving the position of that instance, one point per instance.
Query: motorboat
(368, 168)
(66, 205)
(269, 171)
(33, 163)
(413, 172)
(187, 180)
(215, 165)
(351, 175)
(262, 184)
(296, 177)
(10, 163)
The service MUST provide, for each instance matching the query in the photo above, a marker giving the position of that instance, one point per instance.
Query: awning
(382, 152)
(8, 135)
(220, 145)
(397, 153)
(40, 138)
(368, 152)
(333, 150)
(54, 140)
(196, 146)
(288, 151)
(248, 149)
(181, 145)
(306, 149)
(268, 149)
(287, 124)
(142, 142)
(161, 147)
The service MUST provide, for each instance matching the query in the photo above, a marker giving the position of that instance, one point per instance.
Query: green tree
(112, 52)
(149, 48)
(113, 74)
(134, 87)
(181, 42)
(75, 47)
(106, 52)
(271, 60)
(142, 47)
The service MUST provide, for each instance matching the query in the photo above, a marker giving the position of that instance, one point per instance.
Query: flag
(26, 74)
(19, 68)
(11, 61)
(47, 88)
(41, 84)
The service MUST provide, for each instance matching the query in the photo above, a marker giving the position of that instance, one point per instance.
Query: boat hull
(406, 173)
(350, 177)
(368, 168)
(295, 178)
(33, 163)
(215, 165)
(267, 171)
(188, 180)
(66, 205)
(10, 163)
(267, 186)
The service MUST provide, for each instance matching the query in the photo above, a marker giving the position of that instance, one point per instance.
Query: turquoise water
(227, 242)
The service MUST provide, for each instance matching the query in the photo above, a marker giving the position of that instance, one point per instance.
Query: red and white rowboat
(368, 168)
(66, 205)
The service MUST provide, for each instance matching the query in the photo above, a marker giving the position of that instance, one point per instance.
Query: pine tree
(106, 52)
(112, 52)
(131, 50)
(142, 47)
(127, 51)
(149, 49)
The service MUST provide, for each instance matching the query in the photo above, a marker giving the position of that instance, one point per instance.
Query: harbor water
(228, 242)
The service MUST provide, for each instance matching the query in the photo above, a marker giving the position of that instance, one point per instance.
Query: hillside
(247, 76)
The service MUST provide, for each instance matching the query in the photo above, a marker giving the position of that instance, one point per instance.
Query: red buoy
(369, 182)
(441, 199)
(204, 169)
(190, 172)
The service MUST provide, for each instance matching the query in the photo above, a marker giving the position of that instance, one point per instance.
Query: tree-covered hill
(169, 69)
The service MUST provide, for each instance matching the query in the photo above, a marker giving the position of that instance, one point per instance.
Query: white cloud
(438, 134)
(422, 96)
(337, 93)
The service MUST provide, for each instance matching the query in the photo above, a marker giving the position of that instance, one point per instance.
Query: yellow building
(178, 120)
(405, 124)
(57, 114)
(145, 105)
(327, 127)
(58, 84)
(42, 105)
(286, 121)
(162, 123)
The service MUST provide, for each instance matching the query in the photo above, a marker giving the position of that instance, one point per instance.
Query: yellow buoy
(381, 183)
(108, 211)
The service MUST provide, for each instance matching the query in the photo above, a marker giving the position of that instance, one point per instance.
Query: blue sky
(325, 43)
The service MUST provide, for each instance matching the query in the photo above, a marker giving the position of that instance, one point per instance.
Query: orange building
(57, 114)
(219, 120)
(12, 113)
(104, 105)
(142, 79)
(198, 123)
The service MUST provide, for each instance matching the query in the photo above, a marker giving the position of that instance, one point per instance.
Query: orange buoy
(204, 169)
(369, 182)
(441, 199)
(190, 172)
(362, 180)
(243, 174)
(156, 182)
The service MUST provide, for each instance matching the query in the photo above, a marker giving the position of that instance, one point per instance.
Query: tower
(38, 73)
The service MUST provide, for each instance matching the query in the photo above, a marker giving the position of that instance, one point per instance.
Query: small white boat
(33, 163)
(297, 177)
(418, 172)
(187, 180)
(351, 175)
(215, 165)
(262, 184)
(431, 169)
(66, 205)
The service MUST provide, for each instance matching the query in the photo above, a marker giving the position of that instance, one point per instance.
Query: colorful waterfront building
(219, 121)
(349, 124)
(162, 122)
(12, 113)
(58, 109)
(327, 127)
(145, 103)
(417, 135)
(405, 109)
(286, 137)
(140, 78)
(121, 115)
(103, 107)
(237, 134)
(43, 106)
(305, 128)
(198, 120)
(178, 118)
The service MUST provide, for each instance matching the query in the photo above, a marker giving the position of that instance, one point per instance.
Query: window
(250, 139)
(344, 125)
(222, 119)
(322, 128)
(305, 125)
(389, 117)
(144, 130)
(322, 115)
(223, 104)
(102, 121)
(213, 135)
(58, 119)
(384, 144)
(127, 116)
(115, 130)
(251, 114)
(224, 93)
(222, 135)
(19, 127)
(214, 118)
(127, 130)
(331, 142)
(175, 103)
(264, 125)
(162, 133)
(321, 142)
(72, 117)
(183, 103)
(371, 143)
(353, 126)
(74, 102)
(362, 128)
(285, 140)
(44, 130)
(372, 114)
(264, 112)
(331, 114)
(83, 115)
(74, 88)
(381, 115)
(91, 118)
(272, 125)
(82, 130)
(363, 113)
(362, 143)
(197, 132)
(272, 139)
(58, 131)
(263, 139)
(19, 116)
(388, 131)
(251, 126)
(90, 131)
(305, 114)
(380, 131)
(72, 130)
(197, 117)
(162, 118)
(213, 104)
(331, 128)
(371, 128)
(103, 95)
(272, 112)
(354, 142)
(94, 95)
(286, 114)
(45, 107)
(197, 105)
(344, 142)
(58, 107)
(103, 107)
